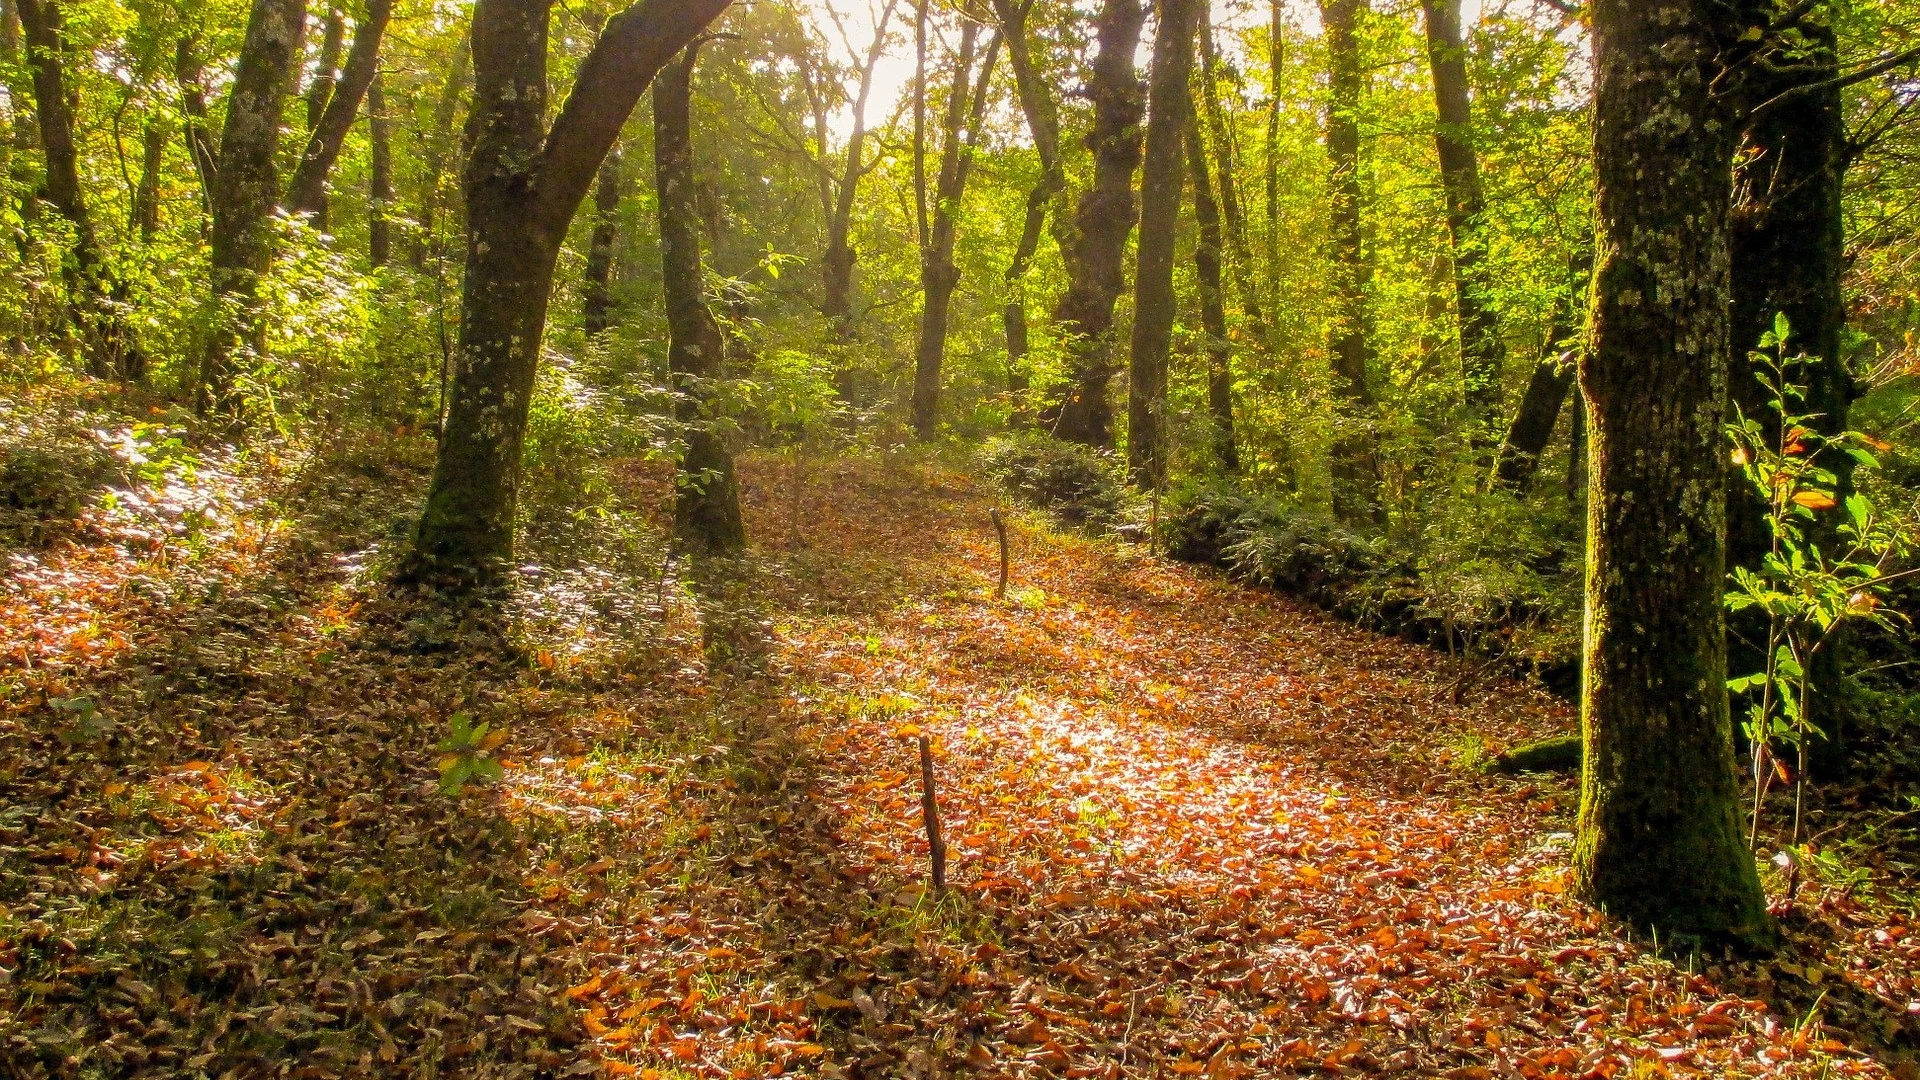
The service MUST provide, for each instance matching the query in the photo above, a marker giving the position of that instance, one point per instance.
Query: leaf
(1814, 500)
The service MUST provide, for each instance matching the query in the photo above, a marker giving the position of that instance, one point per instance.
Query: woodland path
(1193, 829)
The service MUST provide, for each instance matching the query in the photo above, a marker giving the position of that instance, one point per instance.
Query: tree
(1356, 475)
(960, 138)
(379, 175)
(524, 180)
(1043, 127)
(1482, 352)
(706, 508)
(95, 292)
(1213, 313)
(1094, 245)
(243, 189)
(596, 299)
(307, 191)
(1659, 842)
(1515, 462)
(439, 147)
(1219, 132)
(1160, 181)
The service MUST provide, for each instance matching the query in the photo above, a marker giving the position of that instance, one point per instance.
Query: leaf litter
(1193, 829)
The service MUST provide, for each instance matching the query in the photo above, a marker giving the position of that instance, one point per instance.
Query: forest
(944, 538)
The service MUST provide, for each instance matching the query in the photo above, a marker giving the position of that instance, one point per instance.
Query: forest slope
(1193, 828)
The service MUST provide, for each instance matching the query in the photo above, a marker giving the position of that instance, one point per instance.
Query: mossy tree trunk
(524, 181)
(596, 292)
(706, 509)
(1094, 244)
(1659, 842)
(1153, 299)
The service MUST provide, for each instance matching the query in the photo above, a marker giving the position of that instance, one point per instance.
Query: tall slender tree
(706, 507)
(596, 293)
(1213, 311)
(439, 147)
(1043, 127)
(307, 191)
(1160, 181)
(1094, 243)
(95, 291)
(960, 138)
(1659, 841)
(379, 174)
(1356, 470)
(524, 180)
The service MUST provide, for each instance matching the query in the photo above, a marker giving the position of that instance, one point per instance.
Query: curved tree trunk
(1356, 470)
(1213, 312)
(380, 175)
(524, 181)
(706, 509)
(1094, 245)
(244, 191)
(307, 191)
(1659, 842)
(1153, 300)
(1043, 126)
(938, 274)
(1482, 352)
(94, 292)
(1518, 458)
(596, 301)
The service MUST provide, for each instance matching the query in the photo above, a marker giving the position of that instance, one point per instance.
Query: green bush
(1076, 484)
(45, 484)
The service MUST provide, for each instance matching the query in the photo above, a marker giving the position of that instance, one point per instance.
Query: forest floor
(1193, 829)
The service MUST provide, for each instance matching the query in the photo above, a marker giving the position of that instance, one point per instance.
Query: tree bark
(706, 509)
(1659, 842)
(333, 38)
(1043, 126)
(307, 191)
(244, 191)
(596, 299)
(1213, 312)
(1356, 470)
(938, 274)
(1095, 244)
(380, 175)
(1482, 351)
(146, 199)
(521, 194)
(94, 291)
(1153, 300)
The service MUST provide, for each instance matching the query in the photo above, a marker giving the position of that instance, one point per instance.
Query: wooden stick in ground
(1000, 528)
(930, 809)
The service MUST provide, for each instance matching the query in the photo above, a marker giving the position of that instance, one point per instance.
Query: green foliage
(1078, 485)
(466, 754)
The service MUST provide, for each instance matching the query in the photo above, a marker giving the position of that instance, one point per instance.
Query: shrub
(1077, 484)
(46, 481)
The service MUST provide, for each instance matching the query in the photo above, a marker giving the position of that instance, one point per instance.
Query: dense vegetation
(522, 417)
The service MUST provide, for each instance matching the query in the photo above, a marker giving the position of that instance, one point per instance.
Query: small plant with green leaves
(467, 754)
(793, 389)
(1806, 592)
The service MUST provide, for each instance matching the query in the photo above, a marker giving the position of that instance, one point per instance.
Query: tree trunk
(244, 191)
(1094, 247)
(1153, 300)
(1482, 352)
(938, 274)
(146, 198)
(1213, 312)
(380, 175)
(1043, 126)
(836, 264)
(1788, 244)
(439, 147)
(1238, 255)
(333, 38)
(522, 190)
(193, 115)
(94, 292)
(1276, 64)
(706, 510)
(307, 191)
(1532, 429)
(24, 136)
(1356, 469)
(1659, 842)
(597, 299)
